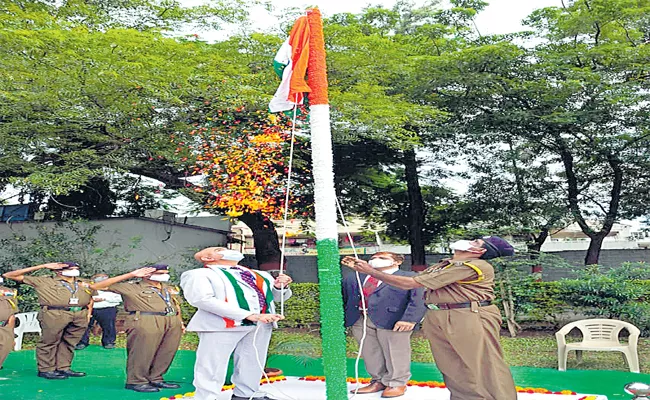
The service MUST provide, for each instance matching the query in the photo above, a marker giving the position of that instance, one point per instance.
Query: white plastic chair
(28, 323)
(599, 335)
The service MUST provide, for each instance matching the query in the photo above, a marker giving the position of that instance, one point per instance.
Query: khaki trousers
(61, 330)
(151, 344)
(6, 342)
(386, 354)
(466, 349)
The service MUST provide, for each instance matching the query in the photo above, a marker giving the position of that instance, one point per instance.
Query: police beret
(158, 267)
(496, 247)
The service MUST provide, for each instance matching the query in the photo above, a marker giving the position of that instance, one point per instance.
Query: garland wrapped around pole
(329, 270)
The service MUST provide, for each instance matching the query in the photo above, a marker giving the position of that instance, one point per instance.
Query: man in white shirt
(104, 312)
(235, 316)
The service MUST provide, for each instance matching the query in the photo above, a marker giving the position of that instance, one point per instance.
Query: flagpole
(329, 270)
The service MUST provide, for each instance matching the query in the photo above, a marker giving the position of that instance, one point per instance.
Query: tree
(86, 90)
(515, 194)
(243, 156)
(578, 101)
(376, 100)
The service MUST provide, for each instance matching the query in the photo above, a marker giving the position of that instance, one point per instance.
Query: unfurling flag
(291, 65)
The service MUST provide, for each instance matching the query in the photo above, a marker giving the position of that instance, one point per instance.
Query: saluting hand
(282, 280)
(403, 326)
(357, 265)
(142, 272)
(54, 266)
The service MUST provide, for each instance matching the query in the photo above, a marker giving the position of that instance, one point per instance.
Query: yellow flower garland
(430, 384)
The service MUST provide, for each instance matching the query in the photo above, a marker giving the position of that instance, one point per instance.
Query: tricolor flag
(291, 65)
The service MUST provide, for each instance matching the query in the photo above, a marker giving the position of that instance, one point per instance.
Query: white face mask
(462, 245)
(2, 280)
(380, 263)
(231, 255)
(159, 277)
(71, 273)
(101, 278)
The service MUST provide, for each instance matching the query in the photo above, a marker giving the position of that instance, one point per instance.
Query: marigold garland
(441, 385)
(243, 155)
(225, 387)
(430, 384)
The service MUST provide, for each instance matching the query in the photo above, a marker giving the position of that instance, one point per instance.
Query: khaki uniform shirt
(140, 296)
(56, 292)
(443, 282)
(8, 303)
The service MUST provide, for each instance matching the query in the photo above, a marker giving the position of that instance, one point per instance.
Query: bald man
(235, 316)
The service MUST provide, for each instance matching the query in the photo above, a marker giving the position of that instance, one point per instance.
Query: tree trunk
(593, 252)
(265, 239)
(535, 248)
(416, 211)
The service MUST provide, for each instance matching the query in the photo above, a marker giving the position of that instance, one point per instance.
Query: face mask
(101, 278)
(1, 280)
(159, 277)
(461, 245)
(70, 273)
(231, 255)
(380, 263)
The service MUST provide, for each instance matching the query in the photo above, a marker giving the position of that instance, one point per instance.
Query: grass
(535, 350)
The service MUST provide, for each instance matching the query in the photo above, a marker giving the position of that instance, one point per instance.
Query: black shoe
(110, 346)
(165, 385)
(72, 374)
(51, 375)
(80, 346)
(144, 388)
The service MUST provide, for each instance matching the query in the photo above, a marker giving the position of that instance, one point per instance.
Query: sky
(501, 16)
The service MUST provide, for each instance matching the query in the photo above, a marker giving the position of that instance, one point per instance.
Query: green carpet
(106, 375)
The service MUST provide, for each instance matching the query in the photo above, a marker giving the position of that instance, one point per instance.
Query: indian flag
(291, 65)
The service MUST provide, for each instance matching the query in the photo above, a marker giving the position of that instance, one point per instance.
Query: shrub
(302, 309)
(612, 293)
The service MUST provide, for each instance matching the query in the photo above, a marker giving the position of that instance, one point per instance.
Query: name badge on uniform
(74, 301)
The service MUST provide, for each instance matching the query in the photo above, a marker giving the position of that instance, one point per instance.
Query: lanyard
(67, 286)
(167, 298)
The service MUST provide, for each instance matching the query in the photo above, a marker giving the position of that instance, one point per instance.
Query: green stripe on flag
(278, 67)
(332, 323)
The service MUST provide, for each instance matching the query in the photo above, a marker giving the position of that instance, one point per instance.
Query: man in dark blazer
(390, 316)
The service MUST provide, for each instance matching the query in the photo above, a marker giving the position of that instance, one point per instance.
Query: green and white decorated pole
(329, 270)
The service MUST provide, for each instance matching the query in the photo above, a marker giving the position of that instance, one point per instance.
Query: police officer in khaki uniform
(66, 304)
(8, 307)
(154, 326)
(462, 325)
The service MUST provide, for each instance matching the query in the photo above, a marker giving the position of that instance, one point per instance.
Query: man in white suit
(235, 315)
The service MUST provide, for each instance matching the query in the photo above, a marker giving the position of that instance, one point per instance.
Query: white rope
(363, 299)
(266, 377)
(286, 199)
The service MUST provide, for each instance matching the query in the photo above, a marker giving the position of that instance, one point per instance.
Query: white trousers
(213, 354)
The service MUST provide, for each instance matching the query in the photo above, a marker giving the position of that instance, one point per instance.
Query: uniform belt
(453, 306)
(73, 308)
(164, 314)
